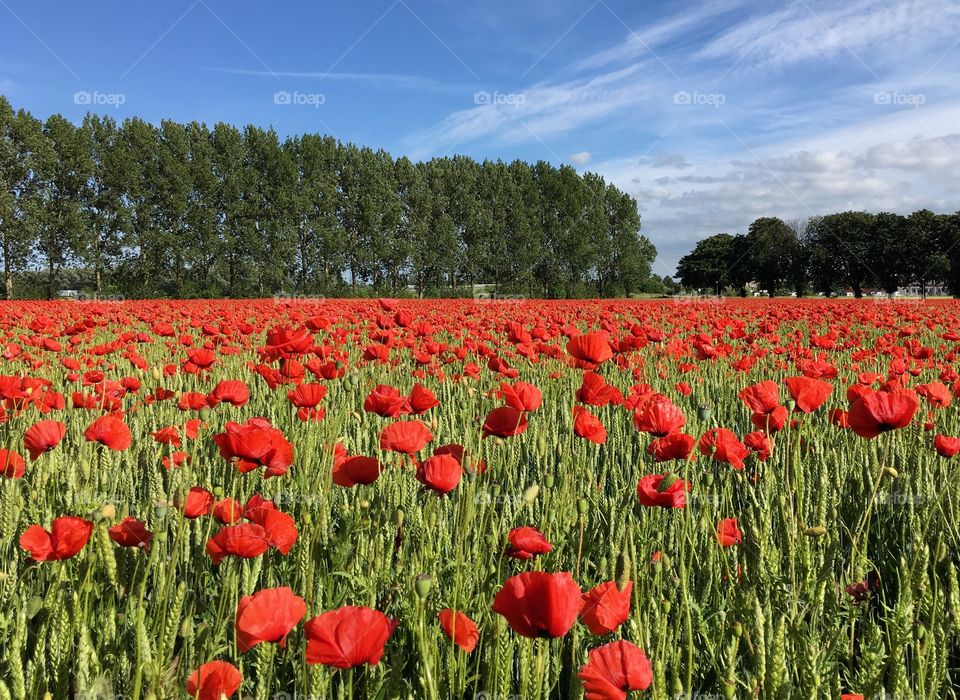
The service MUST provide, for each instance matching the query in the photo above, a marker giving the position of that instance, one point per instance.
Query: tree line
(186, 210)
(852, 250)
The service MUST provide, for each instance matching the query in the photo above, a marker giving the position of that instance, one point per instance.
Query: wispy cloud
(391, 81)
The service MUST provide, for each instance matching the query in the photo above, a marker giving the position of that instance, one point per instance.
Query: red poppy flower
(946, 446)
(521, 396)
(42, 437)
(615, 669)
(588, 426)
(347, 637)
(440, 473)
(245, 540)
(539, 604)
(881, 411)
(594, 391)
(67, 536)
(591, 349)
(198, 502)
(728, 533)
(659, 418)
(421, 400)
(386, 401)
(459, 628)
(936, 394)
(167, 436)
(771, 422)
(406, 437)
(606, 607)
(280, 528)
(808, 394)
(228, 511)
(12, 464)
(214, 680)
(255, 443)
(526, 543)
(759, 444)
(722, 445)
(356, 470)
(676, 446)
(663, 490)
(131, 533)
(840, 418)
(267, 616)
(762, 397)
(307, 395)
(109, 431)
(504, 422)
(231, 391)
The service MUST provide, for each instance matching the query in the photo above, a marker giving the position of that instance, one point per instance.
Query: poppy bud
(703, 412)
(730, 688)
(666, 482)
(85, 468)
(737, 629)
(559, 450)
(665, 605)
(891, 472)
(217, 491)
(204, 413)
(542, 446)
(790, 404)
(364, 504)
(530, 494)
(155, 373)
(422, 585)
(48, 695)
(186, 628)
(708, 479)
(548, 481)
(582, 506)
(815, 531)
(307, 518)
(400, 516)
(353, 380)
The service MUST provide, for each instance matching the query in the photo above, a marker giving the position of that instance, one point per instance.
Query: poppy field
(321, 498)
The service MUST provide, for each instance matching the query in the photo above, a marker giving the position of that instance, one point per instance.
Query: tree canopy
(852, 250)
(189, 210)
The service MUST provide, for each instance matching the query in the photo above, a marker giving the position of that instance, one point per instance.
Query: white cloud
(809, 30)
(581, 158)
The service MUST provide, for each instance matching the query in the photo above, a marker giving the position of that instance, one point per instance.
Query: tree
(22, 168)
(770, 243)
(839, 246)
(926, 260)
(708, 266)
(104, 204)
(67, 168)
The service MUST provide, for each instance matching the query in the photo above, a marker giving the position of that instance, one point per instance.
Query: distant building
(933, 289)
(69, 294)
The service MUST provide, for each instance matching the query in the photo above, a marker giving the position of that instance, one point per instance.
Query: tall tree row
(172, 210)
(851, 250)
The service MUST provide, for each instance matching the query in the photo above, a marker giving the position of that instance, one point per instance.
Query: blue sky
(711, 113)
